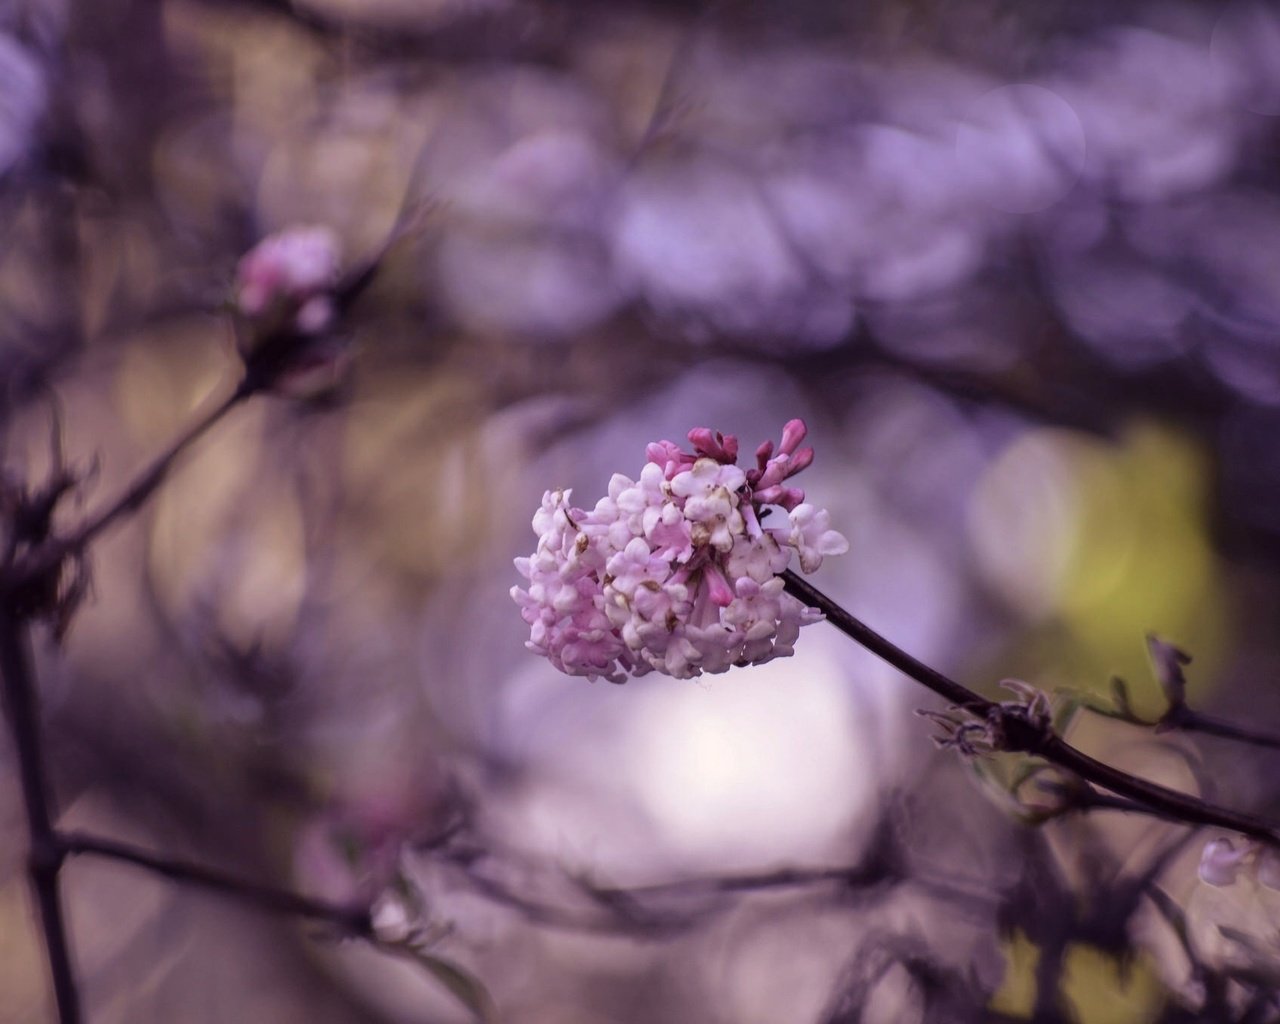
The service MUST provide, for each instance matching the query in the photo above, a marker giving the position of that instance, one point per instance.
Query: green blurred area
(1097, 543)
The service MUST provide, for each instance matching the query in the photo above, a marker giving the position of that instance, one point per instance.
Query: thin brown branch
(350, 919)
(1189, 720)
(1179, 716)
(958, 695)
(45, 854)
(782, 878)
(146, 482)
(1096, 801)
(1027, 737)
(541, 912)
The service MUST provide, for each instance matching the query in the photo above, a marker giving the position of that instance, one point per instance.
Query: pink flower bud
(792, 434)
(285, 273)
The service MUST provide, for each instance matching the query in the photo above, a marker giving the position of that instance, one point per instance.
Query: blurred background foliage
(1015, 264)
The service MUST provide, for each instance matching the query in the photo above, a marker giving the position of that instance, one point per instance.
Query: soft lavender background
(1016, 265)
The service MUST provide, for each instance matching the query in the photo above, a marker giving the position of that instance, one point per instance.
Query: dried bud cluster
(675, 571)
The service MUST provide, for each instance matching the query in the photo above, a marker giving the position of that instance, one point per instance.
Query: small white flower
(390, 919)
(811, 535)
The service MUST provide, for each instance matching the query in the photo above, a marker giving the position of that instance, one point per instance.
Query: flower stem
(958, 694)
(1189, 720)
(145, 484)
(1042, 741)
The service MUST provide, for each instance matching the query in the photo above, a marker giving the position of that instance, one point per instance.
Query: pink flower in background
(289, 289)
(1222, 862)
(676, 571)
(291, 273)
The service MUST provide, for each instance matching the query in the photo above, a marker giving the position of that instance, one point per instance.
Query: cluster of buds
(676, 571)
(1222, 862)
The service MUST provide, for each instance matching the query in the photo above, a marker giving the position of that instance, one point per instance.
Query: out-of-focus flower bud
(288, 277)
(289, 294)
(1220, 862)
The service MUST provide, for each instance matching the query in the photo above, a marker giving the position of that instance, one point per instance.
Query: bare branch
(1187, 719)
(146, 482)
(349, 919)
(1027, 734)
(45, 856)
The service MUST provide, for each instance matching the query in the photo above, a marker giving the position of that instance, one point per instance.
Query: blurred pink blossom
(1222, 861)
(291, 273)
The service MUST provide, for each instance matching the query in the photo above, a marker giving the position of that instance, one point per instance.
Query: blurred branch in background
(1012, 263)
(1169, 661)
(347, 920)
(45, 853)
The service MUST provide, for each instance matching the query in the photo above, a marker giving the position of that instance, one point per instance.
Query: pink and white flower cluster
(676, 571)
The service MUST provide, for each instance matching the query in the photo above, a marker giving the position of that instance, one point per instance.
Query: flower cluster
(290, 276)
(676, 571)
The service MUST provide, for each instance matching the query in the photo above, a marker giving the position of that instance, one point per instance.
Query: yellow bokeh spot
(1016, 995)
(413, 455)
(229, 538)
(1095, 543)
(1142, 559)
(1103, 992)
(1093, 983)
(168, 371)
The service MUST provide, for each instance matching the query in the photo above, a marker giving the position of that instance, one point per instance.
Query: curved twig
(146, 482)
(1031, 738)
(352, 919)
(45, 856)
(1187, 719)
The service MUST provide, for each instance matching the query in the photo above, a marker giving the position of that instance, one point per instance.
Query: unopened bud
(288, 294)
(1167, 661)
(281, 275)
